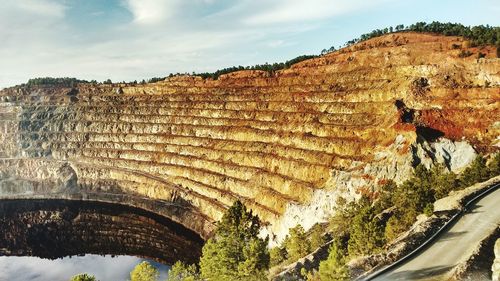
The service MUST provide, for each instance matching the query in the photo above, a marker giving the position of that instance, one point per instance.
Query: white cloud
(29, 13)
(163, 36)
(152, 11)
(285, 11)
(158, 12)
(42, 7)
(29, 31)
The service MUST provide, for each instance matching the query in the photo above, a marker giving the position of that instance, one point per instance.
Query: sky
(104, 268)
(126, 40)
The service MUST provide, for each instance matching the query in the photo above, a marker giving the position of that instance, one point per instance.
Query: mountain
(287, 143)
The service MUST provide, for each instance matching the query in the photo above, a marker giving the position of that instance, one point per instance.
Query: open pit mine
(287, 144)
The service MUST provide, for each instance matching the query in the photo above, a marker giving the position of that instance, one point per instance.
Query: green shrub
(339, 223)
(429, 209)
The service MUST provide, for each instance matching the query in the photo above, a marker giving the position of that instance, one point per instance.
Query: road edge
(452, 220)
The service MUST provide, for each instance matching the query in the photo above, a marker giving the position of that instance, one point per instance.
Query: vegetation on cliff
(264, 67)
(235, 252)
(394, 210)
(183, 272)
(62, 81)
(334, 267)
(478, 35)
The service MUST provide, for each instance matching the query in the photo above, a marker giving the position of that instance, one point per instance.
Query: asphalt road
(453, 245)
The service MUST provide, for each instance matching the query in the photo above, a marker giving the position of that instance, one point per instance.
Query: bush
(464, 54)
(156, 79)
(413, 197)
(332, 268)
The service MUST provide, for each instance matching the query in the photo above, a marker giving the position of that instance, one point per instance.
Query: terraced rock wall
(287, 143)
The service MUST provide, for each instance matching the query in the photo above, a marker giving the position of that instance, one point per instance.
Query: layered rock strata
(287, 143)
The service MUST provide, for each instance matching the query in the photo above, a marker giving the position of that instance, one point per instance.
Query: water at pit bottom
(104, 268)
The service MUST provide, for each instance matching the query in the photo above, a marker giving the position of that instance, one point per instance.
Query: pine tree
(317, 239)
(334, 267)
(442, 181)
(277, 255)
(367, 235)
(494, 166)
(183, 272)
(236, 252)
(476, 172)
(297, 245)
(144, 271)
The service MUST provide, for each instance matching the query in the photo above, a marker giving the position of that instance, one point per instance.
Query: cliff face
(286, 144)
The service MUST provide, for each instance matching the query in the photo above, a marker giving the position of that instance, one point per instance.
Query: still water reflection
(104, 268)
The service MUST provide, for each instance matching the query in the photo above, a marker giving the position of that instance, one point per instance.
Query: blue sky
(140, 39)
